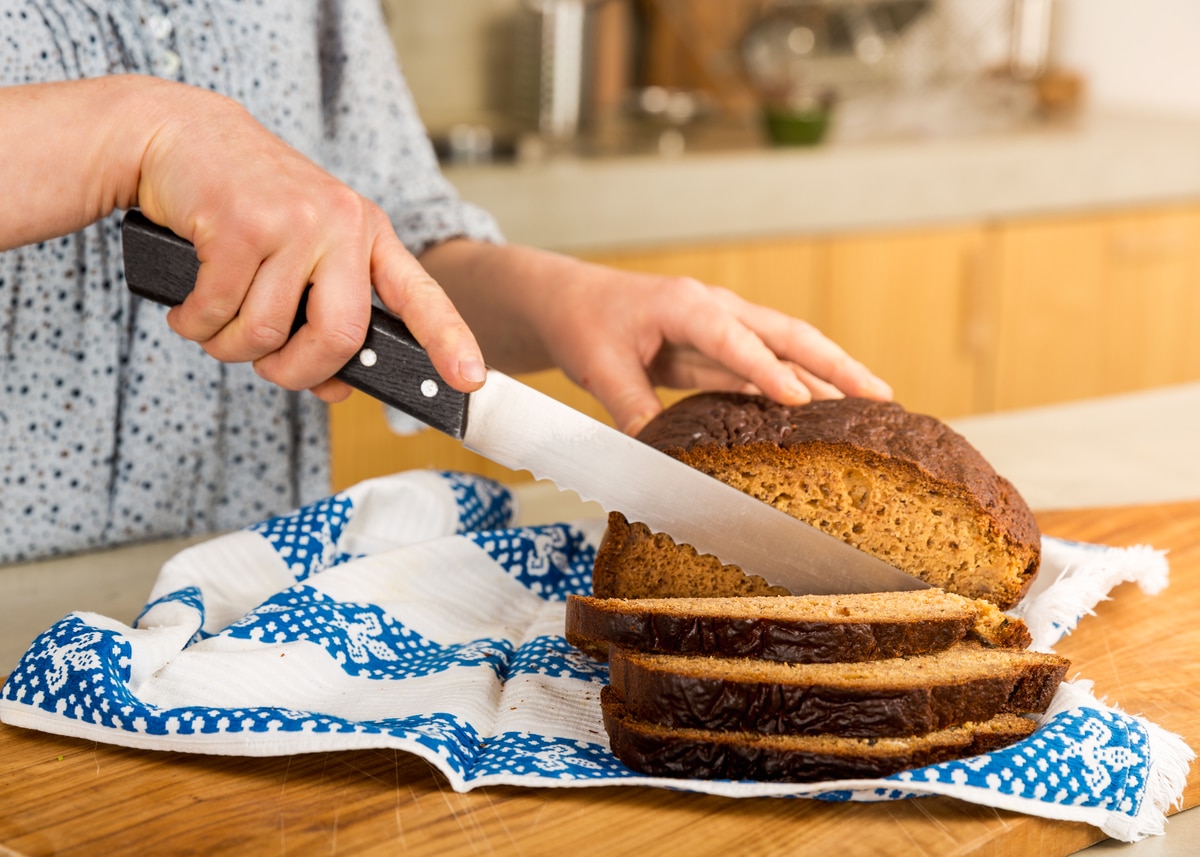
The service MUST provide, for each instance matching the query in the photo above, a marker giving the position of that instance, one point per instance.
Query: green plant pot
(796, 127)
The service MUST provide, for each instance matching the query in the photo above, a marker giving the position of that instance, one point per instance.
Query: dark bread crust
(902, 696)
(696, 753)
(732, 420)
(796, 642)
(815, 629)
(902, 486)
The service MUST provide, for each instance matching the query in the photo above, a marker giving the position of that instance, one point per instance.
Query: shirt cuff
(433, 223)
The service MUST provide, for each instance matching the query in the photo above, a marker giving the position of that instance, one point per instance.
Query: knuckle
(262, 336)
(699, 299)
(421, 290)
(685, 289)
(345, 208)
(273, 374)
(450, 331)
(343, 340)
(206, 320)
(447, 338)
(723, 296)
(806, 328)
(242, 233)
(726, 341)
(305, 218)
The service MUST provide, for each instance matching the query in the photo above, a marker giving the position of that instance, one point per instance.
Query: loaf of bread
(704, 753)
(793, 628)
(896, 697)
(898, 485)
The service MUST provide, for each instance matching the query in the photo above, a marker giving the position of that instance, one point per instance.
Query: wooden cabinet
(1090, 306)
(959, 319)
(912, 306)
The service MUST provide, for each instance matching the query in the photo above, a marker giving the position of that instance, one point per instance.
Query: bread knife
(523, 429)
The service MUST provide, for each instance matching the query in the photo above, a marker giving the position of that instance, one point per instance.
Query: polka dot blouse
(112, 428)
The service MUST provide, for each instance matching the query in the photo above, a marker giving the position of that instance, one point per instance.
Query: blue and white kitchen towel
(408, 612)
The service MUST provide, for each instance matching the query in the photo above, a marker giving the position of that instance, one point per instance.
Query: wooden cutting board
(71, 797)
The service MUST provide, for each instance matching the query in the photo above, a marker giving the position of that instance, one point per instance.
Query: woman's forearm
(72, 151)
(506, 294)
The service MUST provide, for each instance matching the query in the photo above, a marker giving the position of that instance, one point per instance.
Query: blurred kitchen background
(993, 203)
(608, 76)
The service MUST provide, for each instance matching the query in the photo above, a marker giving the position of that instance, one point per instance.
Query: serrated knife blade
(523, 429)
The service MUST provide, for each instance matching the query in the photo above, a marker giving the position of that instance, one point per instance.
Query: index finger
(408, 290)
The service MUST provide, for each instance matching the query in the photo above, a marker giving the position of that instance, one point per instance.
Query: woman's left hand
(640, 331)
(620, 334)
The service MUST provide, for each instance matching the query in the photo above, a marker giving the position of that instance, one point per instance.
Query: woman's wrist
(500, 294)
(73, 150)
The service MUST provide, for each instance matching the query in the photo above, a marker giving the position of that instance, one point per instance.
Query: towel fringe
(1085, 577)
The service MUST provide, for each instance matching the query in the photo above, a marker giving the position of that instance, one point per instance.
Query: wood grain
(70, 797)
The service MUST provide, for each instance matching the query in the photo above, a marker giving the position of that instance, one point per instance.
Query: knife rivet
(429, 388)
(367, 357)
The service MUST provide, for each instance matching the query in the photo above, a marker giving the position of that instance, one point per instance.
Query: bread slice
(872, 699)
(901, 486)
(664, 751)
(796, 628)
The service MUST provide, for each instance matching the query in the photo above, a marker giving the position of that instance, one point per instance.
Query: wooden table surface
(65, 796)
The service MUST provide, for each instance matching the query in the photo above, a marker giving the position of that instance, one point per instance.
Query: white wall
(1142, 54)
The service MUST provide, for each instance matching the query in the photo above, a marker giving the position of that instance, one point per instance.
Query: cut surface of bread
(663, 751)
(903, 487)
(894, 697)
(797, 628)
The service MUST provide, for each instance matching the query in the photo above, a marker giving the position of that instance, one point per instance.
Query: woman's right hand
(265, 220)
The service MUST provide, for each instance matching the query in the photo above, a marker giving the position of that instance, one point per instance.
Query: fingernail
(881, 388)
(634, 426)
(473, 371)
(797, 392)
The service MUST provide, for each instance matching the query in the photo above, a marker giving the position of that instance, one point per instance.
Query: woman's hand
(620, 334)
(266, 222)
(626, 333)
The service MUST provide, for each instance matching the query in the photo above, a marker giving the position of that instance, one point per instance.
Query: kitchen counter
(1098, 161)
(1132, 449)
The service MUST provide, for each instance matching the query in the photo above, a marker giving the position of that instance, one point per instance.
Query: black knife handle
(390, 366)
